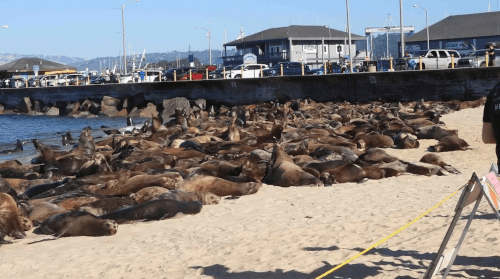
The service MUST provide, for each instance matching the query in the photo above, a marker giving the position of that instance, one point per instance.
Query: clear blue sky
(92, 28)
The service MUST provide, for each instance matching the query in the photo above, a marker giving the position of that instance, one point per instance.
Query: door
(444, 60)
(294, 69)
(433, 60)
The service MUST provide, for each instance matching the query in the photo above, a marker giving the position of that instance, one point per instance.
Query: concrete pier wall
(463, 84)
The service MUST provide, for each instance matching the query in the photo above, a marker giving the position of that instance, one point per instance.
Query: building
(25, 68)
(463, 33)
(298, 43)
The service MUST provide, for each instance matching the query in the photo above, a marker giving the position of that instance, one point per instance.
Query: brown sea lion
(148, 194)
(221, 168)
(217, 186)
(375, 141)
(205, 198)
(436, 160)
(106, 205)
(78, 223)
(436, 132)
(283, 172)
(450, 143)
(26, 223)
(9, 219)
(43, 210)
(404, 141)
(154, 210)
(86, 145)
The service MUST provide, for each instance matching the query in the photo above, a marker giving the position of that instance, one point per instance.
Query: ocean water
(49, 130)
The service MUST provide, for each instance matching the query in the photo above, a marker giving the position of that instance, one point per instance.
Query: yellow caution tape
(390, 236)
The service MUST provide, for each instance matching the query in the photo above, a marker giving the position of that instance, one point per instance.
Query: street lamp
(209, 35)
(426, 23)
(123, 32)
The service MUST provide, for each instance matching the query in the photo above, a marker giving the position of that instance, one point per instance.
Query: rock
(95, 109)
(1, 109)
(53, 111)
(139, 101)
(122, 113)
(34, 113)
(108, 111)
(24, 106)
(149, 111)
(71, 109)
(200, 103)
(38, 105)
(135, 112)
(170, 105)
(110, 102)
(10, 111)
(79, 114)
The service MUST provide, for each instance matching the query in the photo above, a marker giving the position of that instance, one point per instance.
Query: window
(432, 54)
(325, 48)
(340, 48)
(442, 54)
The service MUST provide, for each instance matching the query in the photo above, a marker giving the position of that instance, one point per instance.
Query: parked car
(98, 80)
(129, 78)
(82, 80)
(289, 69)
(47, 80)
(17, 82)
(477, 59)
(195, 75)
(62, 80)
(169, 74)
(218, 72)
(4, 83)
(249, 71)
(433, 59)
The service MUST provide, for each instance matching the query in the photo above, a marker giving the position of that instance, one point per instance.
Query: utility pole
(123, 33)
(209, 35)
(402, 30)
(349, 32)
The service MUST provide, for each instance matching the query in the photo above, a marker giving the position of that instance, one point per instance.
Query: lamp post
(349, 32)
(426, 23)
(209, 35)
(123, 33)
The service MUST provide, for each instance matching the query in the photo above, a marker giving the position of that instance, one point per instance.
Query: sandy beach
(296, 232)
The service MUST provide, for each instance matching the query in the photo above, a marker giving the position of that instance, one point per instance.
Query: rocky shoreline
(108, 106)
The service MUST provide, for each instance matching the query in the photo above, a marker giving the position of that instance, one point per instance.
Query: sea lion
(221, 168)
(375, 141)
(26, 224)
(148, 194)
(78, 223)
(39, 189)
(86, 145)
(107, 205)
(11, 164)
(19, 148)
(404, 141)
(436, 160)
(436, 132)
(154, 210)
(217, 186)
(205, 198)
(43, 210)
(450, 143)
(6, 188)
(9, 219)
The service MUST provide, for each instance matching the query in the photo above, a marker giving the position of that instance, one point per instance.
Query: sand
(293, 232)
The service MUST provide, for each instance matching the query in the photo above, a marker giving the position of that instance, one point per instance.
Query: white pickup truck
(249, 71)
(434, 59)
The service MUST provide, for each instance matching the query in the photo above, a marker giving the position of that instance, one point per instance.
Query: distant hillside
(95, 64)
(106, 62)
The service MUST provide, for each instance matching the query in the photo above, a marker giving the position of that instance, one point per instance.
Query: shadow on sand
(418, 264)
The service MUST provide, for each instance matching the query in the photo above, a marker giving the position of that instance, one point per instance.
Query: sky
(92, 28)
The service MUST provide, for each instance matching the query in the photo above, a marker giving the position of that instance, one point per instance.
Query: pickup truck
(477, 59)
(434, 59)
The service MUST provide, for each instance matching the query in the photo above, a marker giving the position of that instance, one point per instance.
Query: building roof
(296, 32)
(461, 27)
(26, 65)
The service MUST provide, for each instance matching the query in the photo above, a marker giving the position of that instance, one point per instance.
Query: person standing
(491, 120)
(491, 56)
